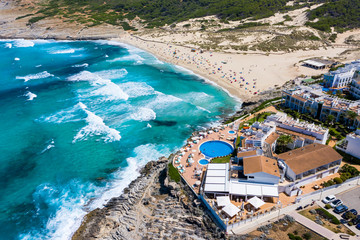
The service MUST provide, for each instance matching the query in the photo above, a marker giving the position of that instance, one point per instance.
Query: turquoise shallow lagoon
(78, 120)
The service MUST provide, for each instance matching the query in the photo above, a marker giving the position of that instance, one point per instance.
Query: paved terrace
(194, 172)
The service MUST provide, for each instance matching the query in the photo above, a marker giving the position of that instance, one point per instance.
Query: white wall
(263, 177)
(353, 147)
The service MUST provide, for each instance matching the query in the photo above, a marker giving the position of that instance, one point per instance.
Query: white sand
(240, 74)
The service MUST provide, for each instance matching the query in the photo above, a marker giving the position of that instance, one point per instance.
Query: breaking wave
(40, 75)
(96, 127)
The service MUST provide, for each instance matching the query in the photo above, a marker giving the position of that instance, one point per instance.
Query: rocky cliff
(150, 208)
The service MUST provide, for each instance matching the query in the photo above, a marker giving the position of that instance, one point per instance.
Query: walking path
(313, 226)
(251, 226)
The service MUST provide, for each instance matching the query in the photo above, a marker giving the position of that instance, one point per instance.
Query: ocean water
(78, 120)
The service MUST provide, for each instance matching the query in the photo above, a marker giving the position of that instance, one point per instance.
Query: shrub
(325, 214)
(291, 236)
(338, 180)
(174, 173)
(307, 236)
(327, 206)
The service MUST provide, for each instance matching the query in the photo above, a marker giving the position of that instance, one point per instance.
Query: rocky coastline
(151, 207)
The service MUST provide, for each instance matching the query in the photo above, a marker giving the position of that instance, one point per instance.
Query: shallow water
(78, 119)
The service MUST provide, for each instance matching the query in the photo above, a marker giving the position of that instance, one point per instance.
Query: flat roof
(314, 63)
(217, 177)
(253, 189)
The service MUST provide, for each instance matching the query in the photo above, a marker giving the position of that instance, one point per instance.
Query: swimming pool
(203, 162)
(216, 148)
(231, 132)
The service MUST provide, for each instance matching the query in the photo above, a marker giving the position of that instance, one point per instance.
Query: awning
(256, 202)
(231, 210)
(223, 201)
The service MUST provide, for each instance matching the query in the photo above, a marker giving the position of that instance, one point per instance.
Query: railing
(353, 181)
(247, 219)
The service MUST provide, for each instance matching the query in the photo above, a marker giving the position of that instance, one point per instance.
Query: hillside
(160, 12)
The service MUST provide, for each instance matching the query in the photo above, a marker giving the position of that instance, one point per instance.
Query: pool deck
(189, 173)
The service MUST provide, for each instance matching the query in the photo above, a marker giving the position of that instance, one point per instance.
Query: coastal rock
(150, 209)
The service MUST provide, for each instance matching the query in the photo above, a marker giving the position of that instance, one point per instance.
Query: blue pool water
(78, 120)
(216, 149)
(203, 162)
(231, 132)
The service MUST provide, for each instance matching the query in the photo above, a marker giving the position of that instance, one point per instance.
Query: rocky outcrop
(152, 207)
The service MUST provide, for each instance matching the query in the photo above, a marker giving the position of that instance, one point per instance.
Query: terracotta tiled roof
(246, 154)
(261, 164)
(309, 157)
(272, 138)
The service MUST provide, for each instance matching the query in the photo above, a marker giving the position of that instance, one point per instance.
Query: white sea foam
(106, 86)
(137, 89)
(71, 114)
(68, 201)
(143, 114)
(133, 57)
(50, 145)
(40, 75)
(8, 45)
(23, 43)
(163, 100)
(70, 210)
(112, 73)
(65, 51)
(112, 92)
(30, 95)
(141, 155)
(17, 59)
(81, 65)
(203, 109)
(96, 126)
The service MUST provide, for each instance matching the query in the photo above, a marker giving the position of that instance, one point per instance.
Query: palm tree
(283, 141)
(350, 115)
(330, 119)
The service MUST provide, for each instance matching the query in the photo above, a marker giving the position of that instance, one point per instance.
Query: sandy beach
(242, 75)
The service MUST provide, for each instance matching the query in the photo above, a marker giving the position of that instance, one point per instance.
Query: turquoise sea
(78, 120)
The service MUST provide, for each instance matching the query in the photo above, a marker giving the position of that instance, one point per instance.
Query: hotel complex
(311, 100)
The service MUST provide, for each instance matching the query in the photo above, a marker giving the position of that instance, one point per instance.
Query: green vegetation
(224, 159)
(346, 172)
(338, 180)
(35, 19)
(325, 214)
(336, 68)
(160, 12)
(24, 16)
(327, 206)
(256, 109)
(173, 173)
(282, 142)
(333, 38)
(287, 18)
(293, 237)
(341, 14)
(348, 158)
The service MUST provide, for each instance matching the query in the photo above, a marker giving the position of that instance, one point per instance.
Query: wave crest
(96, 126)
